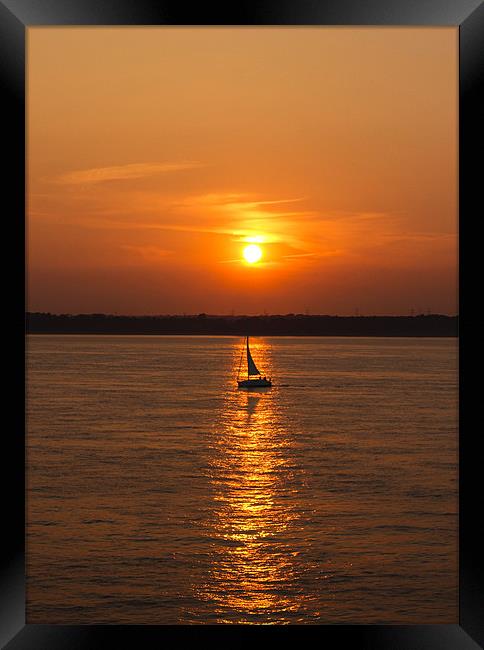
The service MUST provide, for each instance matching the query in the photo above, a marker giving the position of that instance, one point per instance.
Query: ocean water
(159, 493)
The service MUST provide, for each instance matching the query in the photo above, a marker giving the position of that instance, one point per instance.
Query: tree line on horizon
(269, 325)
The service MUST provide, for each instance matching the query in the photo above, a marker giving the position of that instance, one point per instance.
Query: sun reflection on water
(253, 576)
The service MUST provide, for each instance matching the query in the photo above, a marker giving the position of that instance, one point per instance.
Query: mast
(240, 363)
(248, 358)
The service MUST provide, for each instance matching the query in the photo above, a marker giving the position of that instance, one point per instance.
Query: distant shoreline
(431, 325)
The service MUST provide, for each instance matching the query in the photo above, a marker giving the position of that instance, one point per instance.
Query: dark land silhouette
(274, 325)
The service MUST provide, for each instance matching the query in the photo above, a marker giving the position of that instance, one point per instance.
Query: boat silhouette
(254, 377)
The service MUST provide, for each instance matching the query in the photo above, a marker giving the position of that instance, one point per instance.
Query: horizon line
(233, 315)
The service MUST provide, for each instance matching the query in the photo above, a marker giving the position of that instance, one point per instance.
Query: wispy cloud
(245, 215)
(148, 253)
(124, 172)
(232, 199)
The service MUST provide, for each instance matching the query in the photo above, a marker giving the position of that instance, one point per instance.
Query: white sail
(251, 367)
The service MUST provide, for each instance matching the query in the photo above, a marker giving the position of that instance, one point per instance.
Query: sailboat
(254, 377)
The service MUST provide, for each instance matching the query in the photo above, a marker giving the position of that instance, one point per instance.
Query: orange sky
(155, 153)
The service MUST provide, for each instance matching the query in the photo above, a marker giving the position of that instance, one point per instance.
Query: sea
(160, 493)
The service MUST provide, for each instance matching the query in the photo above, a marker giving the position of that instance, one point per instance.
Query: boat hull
(254, 383)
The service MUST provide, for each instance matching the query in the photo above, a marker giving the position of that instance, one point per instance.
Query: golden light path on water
(253, 575)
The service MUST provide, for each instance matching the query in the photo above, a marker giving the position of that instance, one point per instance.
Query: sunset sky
(155, 155)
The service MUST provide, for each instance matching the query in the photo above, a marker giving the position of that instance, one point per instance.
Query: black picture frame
(15, 17)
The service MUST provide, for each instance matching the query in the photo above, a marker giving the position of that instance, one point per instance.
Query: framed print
(241, 314)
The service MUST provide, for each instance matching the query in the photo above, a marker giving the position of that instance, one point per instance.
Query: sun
(252, 253)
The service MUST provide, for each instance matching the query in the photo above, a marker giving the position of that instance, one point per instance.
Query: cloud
(148, 253)
(236, 204)
(124, 172)
(245, 215)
